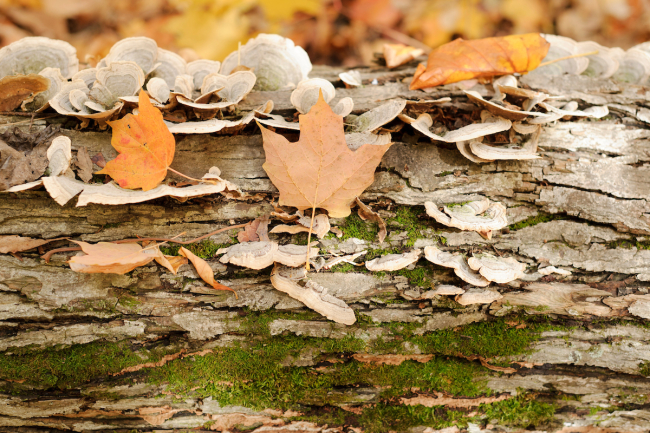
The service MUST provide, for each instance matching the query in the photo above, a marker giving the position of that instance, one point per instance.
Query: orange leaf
(203, 269)
(463, 60)
(145, 147)
(320, 170)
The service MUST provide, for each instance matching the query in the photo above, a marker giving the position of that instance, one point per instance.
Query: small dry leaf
(249, 233)
(16, 89)
(16, 244)
(464, 60)
(367, 214)
(203, 269)
(18, 168)
(99, 160)
(110, 258)
(171, 262)
(263, 228)
(399, 54)
(84, 165)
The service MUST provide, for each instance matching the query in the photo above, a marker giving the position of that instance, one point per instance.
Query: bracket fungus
(31, 55)
(478, 296)
(351, 78)
(465, 150)
(42, 100)
(102, 100)
(158, 90)
(261, 254)
(228, 89)
(497, 269)
(634, 67)
(306, 94)
(311, 294)
(277, 62)
(210, 125)
(252, 255)
(377, 117)
(487, 152)
(594, 60)
(482, 216)
(320, 227)
(561, 46)
(393, 262)
(489, 125)
(141, 50)
(601, 65)
(169, 65)
(443, 290)
(201, 68)
(62, 189)
(501, 110)
(457, 263)
(59, 154)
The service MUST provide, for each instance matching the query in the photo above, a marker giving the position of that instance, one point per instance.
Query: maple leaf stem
(311, 226)
(181, 174)
(591, 53)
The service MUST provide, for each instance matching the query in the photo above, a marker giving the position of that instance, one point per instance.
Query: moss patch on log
(70, 367)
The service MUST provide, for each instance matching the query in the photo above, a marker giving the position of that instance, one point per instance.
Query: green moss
(72, 366)
(355, 227)
(519, 412)
(444, 173)
(644, 368)
(629, 244)
(257, 322)
(407, 218)
(205, 249)
(253, 374)
(537, 219)
(491, 339)
(129, 302)
(419, 276)
(259, 380)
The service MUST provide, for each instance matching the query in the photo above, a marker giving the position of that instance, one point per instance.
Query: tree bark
(153, 351)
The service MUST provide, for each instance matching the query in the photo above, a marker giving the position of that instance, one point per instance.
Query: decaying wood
(590, 191)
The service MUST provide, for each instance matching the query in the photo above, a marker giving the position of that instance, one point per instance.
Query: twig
(311, 226)
(23, 114)
(185, 176)
(26, 120)
(590, 53)
(49, 254)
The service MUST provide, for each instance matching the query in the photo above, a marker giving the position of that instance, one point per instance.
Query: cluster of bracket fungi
(202, 97)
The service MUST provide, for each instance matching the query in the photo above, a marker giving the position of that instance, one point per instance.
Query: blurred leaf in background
(335, 32)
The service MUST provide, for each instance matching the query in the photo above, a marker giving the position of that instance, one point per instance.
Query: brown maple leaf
(320, 170)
